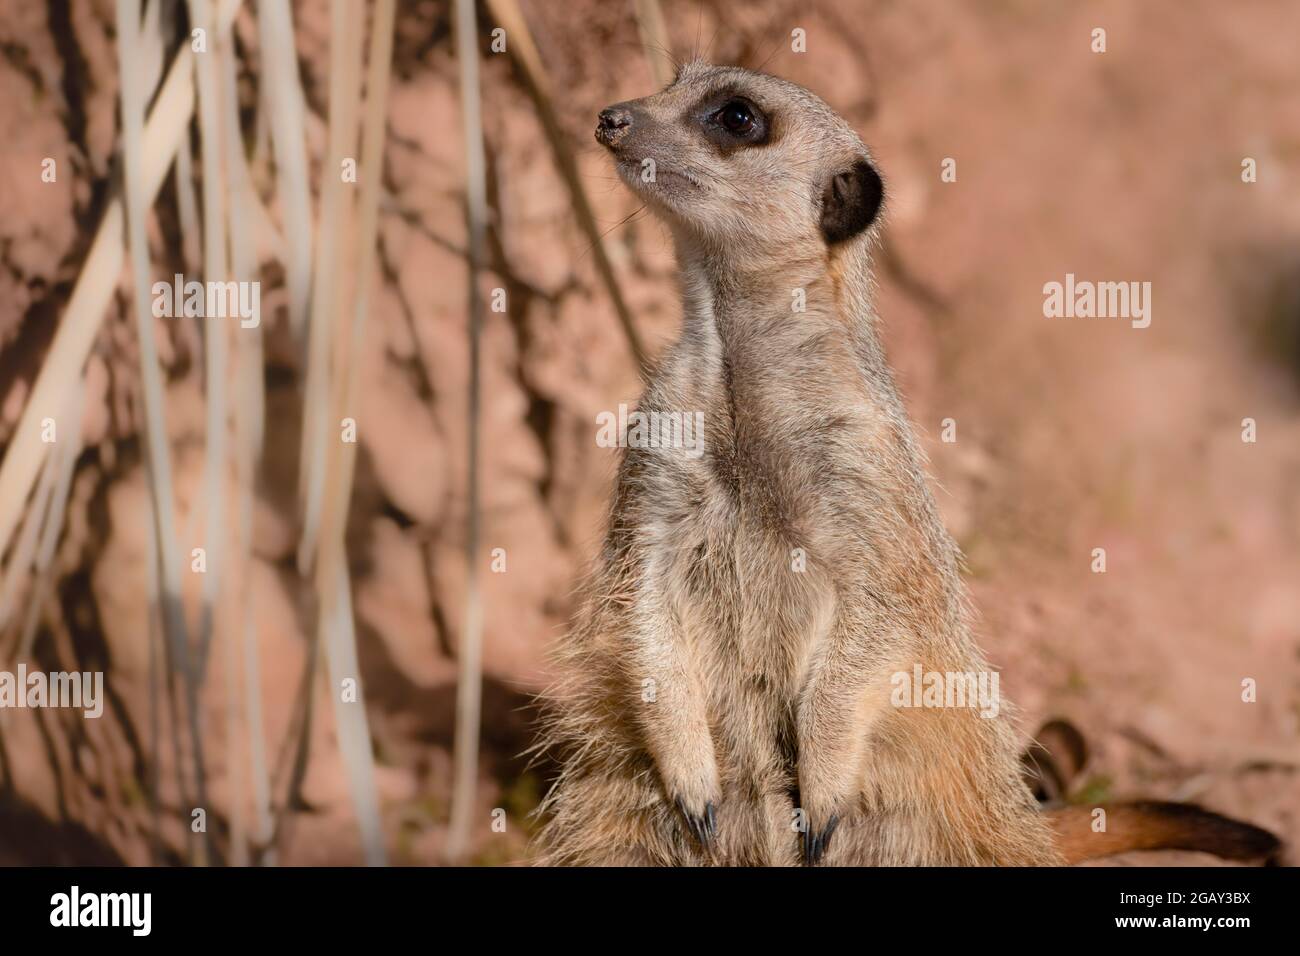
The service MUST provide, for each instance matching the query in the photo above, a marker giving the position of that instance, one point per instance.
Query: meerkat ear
(851, 201)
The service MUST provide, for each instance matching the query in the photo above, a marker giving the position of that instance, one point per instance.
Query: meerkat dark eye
(736, 117)
(731, 122)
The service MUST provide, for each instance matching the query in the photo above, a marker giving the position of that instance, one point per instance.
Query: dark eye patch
(730, 121)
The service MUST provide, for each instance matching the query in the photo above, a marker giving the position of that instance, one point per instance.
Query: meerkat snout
(613, 124)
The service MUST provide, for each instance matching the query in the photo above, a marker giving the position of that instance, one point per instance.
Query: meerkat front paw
(680, 741)
(834, 729)
(817, 840)
(821, 816)
(703, 825)
(697, 798)
(827, 786)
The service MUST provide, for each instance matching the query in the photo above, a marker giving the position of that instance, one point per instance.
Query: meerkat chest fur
(751, 529)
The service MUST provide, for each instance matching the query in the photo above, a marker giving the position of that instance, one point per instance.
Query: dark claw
(704, 826)
(816, 843)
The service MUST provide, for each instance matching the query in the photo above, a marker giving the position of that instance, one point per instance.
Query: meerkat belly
(752, 621)
(753, 610)
(749, 603)
(752, 565)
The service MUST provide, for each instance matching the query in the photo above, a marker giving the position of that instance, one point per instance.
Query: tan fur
(770, 683)
(1153, 825)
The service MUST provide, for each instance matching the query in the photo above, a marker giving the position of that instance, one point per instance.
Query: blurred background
(325, 561)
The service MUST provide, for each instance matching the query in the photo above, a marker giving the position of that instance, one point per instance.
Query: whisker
(699, 23)
(622, 222)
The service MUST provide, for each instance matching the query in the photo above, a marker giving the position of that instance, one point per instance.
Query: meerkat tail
(1156, 825)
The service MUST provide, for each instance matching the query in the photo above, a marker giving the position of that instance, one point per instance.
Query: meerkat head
(740, 158)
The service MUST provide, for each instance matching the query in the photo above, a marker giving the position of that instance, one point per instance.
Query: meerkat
(726, 692)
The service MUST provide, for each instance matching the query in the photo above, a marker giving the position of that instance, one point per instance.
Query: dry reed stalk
(232, 673)
(241, 270)
(336, 627)
(346, 36)
(285, 118)
(250, 415)
(344, 95)
(215, 334)
(158, 456)
(372, 160)
(524, 53)
(249, 421)
(654, 38)
(469, 684)
(350, 719)
(248, 452)
(152, 775)
(20, 562)
(162, 679)
(247, 217)
(66, 459)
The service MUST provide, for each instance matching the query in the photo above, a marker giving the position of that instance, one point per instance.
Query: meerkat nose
(614, 123)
